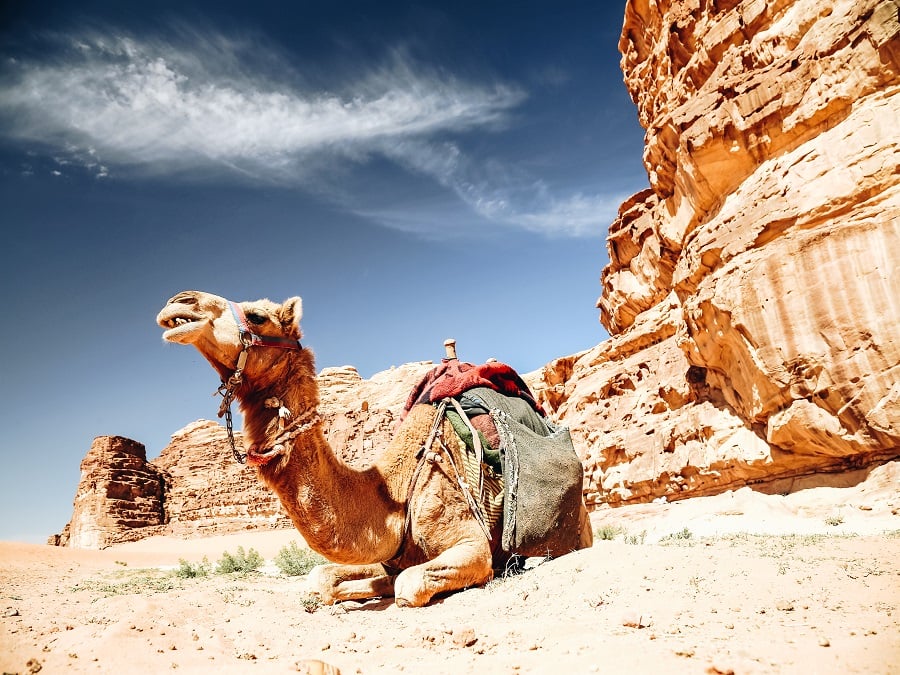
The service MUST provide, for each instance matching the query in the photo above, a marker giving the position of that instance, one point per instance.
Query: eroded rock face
(752, 292)
(361, 415)
(119, 493)
(207, 491)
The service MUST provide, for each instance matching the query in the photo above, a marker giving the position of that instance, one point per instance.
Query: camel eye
(256, 319)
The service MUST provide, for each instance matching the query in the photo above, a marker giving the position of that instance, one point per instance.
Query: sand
(740, 582)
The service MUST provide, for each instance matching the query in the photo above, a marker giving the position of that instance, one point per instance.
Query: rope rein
(428, 456)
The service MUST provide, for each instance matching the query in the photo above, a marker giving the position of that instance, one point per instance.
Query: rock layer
(752, 293)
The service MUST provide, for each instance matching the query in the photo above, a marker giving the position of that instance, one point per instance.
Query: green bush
(295, 561)
(188, 570)
(241, 561)
(636, 539)
(682, 537)
(608, 532)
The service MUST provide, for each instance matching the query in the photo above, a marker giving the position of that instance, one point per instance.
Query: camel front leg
(335, 583)
(461, 566)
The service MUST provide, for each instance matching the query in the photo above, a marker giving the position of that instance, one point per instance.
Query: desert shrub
(636, 539)
(242, 561)
(608, 532)
(310, 603)
(132, 582)
(187, 570)
(295, 561)
(680, 537)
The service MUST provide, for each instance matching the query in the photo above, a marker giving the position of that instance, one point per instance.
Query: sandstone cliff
(119, 496)
(752, 292)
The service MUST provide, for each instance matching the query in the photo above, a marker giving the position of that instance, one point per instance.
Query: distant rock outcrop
(207, 492)
(753, 292)
(119, 494)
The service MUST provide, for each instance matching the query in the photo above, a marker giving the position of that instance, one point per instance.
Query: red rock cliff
(119, 493)
(752, 291)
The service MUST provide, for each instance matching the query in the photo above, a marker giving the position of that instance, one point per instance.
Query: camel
(401, 527)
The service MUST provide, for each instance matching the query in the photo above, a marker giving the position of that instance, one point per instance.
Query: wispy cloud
(503, 194)
(204, 102)
(167, 105)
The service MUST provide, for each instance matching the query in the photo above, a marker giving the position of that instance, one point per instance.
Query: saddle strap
(479, 450)
(426, 456)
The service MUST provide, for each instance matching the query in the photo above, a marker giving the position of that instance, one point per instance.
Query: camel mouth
(180, 327)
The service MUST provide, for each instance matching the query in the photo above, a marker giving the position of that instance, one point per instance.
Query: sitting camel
(400, 527)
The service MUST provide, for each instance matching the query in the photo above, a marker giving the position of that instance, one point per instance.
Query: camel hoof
(410, 591)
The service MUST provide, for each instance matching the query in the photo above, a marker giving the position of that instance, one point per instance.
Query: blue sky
(413, 171)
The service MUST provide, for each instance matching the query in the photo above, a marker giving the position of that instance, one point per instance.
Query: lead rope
(426, 455)
(226, 390)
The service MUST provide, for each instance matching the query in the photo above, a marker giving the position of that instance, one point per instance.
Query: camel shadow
(371, 605)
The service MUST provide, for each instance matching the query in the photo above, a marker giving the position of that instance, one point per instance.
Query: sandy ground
(741, 582)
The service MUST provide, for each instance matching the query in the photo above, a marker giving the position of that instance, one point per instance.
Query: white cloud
(502, 194)
(166, 105)
(201, 102)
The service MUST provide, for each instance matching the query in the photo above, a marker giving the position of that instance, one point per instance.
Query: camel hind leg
(333, 583)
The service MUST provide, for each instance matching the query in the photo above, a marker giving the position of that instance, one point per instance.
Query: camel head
(209, 323)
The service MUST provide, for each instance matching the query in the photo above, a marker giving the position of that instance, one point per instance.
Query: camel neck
(347, 515)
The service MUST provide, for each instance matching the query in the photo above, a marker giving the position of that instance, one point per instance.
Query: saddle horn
(450, 348)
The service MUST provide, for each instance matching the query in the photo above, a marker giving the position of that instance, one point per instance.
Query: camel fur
(356, 518)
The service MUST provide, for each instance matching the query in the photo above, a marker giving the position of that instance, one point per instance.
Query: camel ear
(289, 315)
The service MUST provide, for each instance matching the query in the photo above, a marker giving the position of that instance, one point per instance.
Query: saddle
(529, 465)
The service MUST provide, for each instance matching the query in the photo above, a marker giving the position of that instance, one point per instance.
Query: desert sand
(740, 582)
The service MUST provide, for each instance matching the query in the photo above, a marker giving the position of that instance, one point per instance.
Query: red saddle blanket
(452, 377)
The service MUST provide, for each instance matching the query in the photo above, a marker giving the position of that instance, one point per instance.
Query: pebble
(464, 637)
(824, 642)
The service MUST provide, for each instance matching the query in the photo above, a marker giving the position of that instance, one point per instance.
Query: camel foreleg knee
(335, 583)
(462, 566)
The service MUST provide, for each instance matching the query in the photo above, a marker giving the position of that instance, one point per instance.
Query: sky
(414, 171)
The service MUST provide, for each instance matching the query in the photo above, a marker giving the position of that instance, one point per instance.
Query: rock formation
(359, 414)
(119, 494)
(752, 293)
(207, 492)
